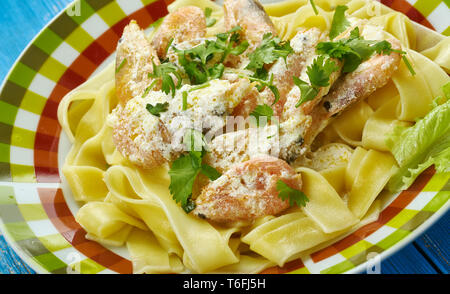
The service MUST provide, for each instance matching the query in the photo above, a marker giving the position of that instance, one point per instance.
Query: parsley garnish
(121, 65)
(339, 23)
(293, 195)
(158, 108)
(262, 111)
(320, 70)
(186, 168)
(163, 72)
(319, 73)
(314, 7)
(268, 52)
(307, 91)
(195, 60)
(209, 21)
(264, 83)
(355, 50)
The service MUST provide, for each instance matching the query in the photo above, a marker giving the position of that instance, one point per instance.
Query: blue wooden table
(22, 20)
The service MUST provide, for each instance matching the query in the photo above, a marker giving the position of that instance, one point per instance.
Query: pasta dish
(234, 138)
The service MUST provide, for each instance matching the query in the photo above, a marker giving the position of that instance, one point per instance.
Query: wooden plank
(10, 263)
(408, 261)
(435, 244)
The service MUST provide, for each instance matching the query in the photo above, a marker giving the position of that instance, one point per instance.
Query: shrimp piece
(353, 87)
(303, 44)
(148, 141)
(251, 17)
(140, 137)
(186, 23)
(247, 191)
(236, 147)
(133, 63)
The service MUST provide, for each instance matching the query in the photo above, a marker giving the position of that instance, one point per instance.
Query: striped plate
(36, 207)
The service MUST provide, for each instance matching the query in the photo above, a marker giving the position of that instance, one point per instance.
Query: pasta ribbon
(373, 171)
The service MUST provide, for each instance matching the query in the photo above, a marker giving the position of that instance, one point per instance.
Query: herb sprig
(209, 20)
(293, 195)
(187, 167)
(165, 73)
(195, 60)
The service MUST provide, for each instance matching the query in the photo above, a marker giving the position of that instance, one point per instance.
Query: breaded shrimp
(303, 44)
(149, 140)
(186, 23)
(247, 191)
(251, 17)
(353, 87)
(236, 147)
(133, 63)
(140, 137)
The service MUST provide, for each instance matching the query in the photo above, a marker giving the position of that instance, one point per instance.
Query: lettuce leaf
(418, 147)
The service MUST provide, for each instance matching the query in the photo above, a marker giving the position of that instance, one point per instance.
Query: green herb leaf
(124, 61)
(158, 108)
(185, 96)
(314, 7)
(355, 50)
(210, 172)
(209, 21)
(320, 70)
(268, 52)
(182, 176)
(340, 22)
(186, 168)
(263, 110)
(307, 91)
(293, 195)
(195, 60)
(263, 83)
(163, 72)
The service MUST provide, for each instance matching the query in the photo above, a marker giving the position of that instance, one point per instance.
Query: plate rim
(41, 270)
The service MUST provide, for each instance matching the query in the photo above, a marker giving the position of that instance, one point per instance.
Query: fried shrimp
(186, 23)
(251, 17)
(247, 191)
(133, 63)
(149, 140)
(304, 44)
(353, 87)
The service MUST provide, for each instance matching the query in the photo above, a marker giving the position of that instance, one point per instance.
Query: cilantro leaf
(195, 60)
(355, 50)
(210, 172)
(164, 72)
(209, 21)
(263, 110)
(182, 176)
(307, 91)
(320, 70)
(158, 108)
(268, 52)
(216, 71)
(186, 168)
(264, 83)
(293, 195)
(339, 23)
